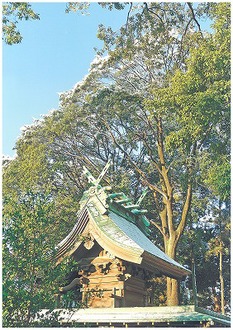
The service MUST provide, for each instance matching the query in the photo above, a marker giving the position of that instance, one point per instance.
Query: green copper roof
(144, 316)
(136, 235)
(121, 232)
(119, 226)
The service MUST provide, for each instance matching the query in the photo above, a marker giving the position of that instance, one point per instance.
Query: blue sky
(54, 55)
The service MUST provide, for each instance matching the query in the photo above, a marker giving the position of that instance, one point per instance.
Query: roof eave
(156, 264)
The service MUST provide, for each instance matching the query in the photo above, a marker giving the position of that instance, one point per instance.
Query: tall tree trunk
(164, 205)
(221, 278)
(172, 284)
(171, 233)
(172, 292)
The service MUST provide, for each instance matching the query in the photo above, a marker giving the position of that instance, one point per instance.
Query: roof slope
(115, 229)
(136, 235)
(175, 316)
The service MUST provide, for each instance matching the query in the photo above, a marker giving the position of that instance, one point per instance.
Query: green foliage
(26, 247)
(159, 288)
(159, 108)
(35, 168)
(217, 177)
(198, 101)
(208, 234)
(30, 278)
(146, 22)
(12, 13)
(77, 6)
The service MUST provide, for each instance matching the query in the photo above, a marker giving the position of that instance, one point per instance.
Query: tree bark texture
(172, 292)
(221, 278)
(170, 244)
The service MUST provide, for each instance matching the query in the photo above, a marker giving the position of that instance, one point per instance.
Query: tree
(30, 278)
(219, 246)
(26, 248)
(12, 13)
(161, 133)
(35, 169)
(144, 17)
(166, 135)
(138, 17)
(206, 228)
(201, 110)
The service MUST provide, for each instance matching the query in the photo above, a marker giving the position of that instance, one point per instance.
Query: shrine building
(116, 262)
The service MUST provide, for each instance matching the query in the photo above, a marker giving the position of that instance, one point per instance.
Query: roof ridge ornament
(108, 199)
(92, 180)
(143, 195)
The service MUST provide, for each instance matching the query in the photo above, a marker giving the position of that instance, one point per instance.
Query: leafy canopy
(12, 13)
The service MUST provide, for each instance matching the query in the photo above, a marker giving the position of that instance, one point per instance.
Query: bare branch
(152, 157)
(127, 21)
(152, 12)
(158, 227)
(185, 210)
(194, 17)
(142, 174)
